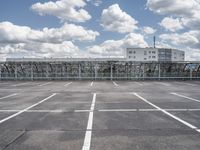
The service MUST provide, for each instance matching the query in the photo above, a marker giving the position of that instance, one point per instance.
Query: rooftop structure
(154, 54)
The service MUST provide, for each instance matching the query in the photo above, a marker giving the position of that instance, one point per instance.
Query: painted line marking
(11, 95)
(167, 113)
(92, 83)
(68, 84)
(48, 111)
(144, 110)
(165, 84)
(24, 110)
(9, 89)
(101, 110)
(20, 84)
(115, 83)
(139, 83)
(193, 99)
(88, 134)
(45, 84)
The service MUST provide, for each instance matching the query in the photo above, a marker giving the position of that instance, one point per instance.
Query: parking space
(96, 115)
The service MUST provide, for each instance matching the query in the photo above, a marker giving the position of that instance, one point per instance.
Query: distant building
(154, 54)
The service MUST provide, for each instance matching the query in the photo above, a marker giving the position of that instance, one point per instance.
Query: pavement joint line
(92, 83)
(115, 83)
(11, 95)
(183, 96)
(68, 84)
(167, 113)
(45, 84)
(24, 110)
(88, 133)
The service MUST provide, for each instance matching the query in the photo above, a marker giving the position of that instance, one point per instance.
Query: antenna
(154, 41)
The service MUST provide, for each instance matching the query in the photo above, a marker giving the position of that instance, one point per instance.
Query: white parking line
(68, 84)
(144, 110)
(100, 110)
(24, 110)
(91, 83)
(20, 84)
(9, 96)
(165, 84)
(115, 83)
(169, 114)
(45, 84)
(193, 99)
(88, 134)
(139, 83)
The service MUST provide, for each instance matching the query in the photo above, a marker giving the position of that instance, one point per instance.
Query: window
(145, 58)
(153, 56)
(149, 56)
(153, 52)
(145, 52)
(130, 52)
(129, 56)
(134, 57)
(149, 52)
(133, 52)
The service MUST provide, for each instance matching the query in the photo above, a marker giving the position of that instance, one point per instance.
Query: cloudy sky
(97, 28)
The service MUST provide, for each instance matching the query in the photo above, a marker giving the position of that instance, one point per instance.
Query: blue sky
(97, 28)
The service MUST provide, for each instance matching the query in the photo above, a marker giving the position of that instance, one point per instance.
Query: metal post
(79, 71)
(159, 71)
(15, 71)
(0, 71)
(191, 73)
(47, 71)
(111, 72)
(96, 71)
(32, 71)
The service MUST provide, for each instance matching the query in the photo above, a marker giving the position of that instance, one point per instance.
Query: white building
(154, 54)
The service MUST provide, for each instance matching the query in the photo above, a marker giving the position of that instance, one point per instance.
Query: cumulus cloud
(116, 20)
(70, 10)
(48, 42)
(188, 38)
(117, 47)
(183, 8)
(171, 24)
(188, 10)
(11, 33)
(64, 49)
(149, 30)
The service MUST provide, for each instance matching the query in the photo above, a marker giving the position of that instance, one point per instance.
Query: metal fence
(99, 70)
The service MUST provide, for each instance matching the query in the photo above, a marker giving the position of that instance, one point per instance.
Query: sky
(97, 28)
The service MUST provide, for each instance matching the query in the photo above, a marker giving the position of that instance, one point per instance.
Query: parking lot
(100, 115)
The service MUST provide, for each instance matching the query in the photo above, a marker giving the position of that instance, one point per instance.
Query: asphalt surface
(99, 115)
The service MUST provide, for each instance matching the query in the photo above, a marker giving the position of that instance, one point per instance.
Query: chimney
(154, 42)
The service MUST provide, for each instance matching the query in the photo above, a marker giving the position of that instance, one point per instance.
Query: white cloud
(149, 30)
(96, 2)
(171, 24)
(116, 20)
(11, 33)
(183, 39)
(64, 49)
(70, 10)
(183, 8)
(53, 42)
(188, 10)
(117, 47)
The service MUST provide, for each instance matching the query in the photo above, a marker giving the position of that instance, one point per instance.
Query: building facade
(154, 54)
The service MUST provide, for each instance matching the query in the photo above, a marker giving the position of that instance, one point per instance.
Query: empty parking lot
(99, 115)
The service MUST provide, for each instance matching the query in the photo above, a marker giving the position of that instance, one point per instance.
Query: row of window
(145, 52)
(134, 57)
